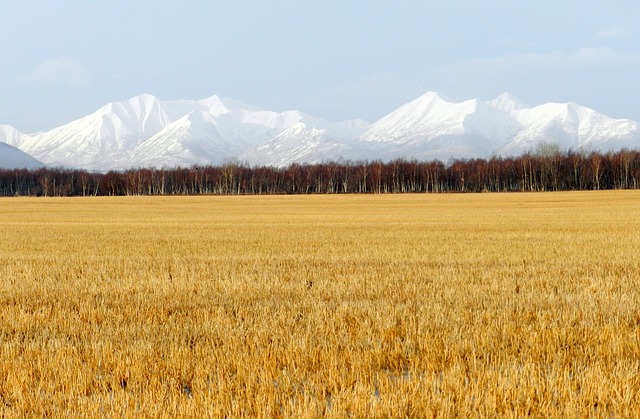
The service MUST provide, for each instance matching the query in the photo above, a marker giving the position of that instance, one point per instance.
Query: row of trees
(547, 169)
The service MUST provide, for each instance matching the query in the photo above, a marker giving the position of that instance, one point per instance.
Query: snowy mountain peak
(145, 131)
(214, 105)
(136, 111)
(430, 96)
(508, 103)
(406, 118)
(10, 135)
(426, 102)
(143, 100)
(572, 127)
(429, 117)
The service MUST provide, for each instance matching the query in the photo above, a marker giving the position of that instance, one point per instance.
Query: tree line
(545, 169)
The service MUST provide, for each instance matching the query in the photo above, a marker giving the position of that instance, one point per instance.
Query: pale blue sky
(336, 59)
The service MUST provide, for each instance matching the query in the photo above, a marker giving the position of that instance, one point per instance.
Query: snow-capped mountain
(432, 127)
(147, 132)
(205, 136)
(10, 156)
(11, 136)
(311, 140)
(572, 127)
(508, 103)
(106, 137)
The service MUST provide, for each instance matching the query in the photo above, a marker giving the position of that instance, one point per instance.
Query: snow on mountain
(432, 127)
(572, 127)
(214, 106)
(508, 103)
(10, 156)
(11, 136)
(145, 131)
(104, 137)
(167, 147)
(257, 137)
(310, 140)
(428, 115)
(13, 158)
(202, 138)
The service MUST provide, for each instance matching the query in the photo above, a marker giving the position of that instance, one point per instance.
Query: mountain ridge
(145, 131)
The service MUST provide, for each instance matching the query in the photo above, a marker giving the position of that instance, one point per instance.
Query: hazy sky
(336, 59)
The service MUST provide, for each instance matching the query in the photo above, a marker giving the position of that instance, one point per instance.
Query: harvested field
(431, 305)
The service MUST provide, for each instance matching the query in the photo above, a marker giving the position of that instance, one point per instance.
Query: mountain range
(147, 132)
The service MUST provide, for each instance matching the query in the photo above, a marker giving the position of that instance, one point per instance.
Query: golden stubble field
(508, 305)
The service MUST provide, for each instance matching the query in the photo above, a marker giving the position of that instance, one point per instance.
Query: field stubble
(374, 306)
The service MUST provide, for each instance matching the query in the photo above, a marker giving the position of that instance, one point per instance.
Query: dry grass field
(509, 305)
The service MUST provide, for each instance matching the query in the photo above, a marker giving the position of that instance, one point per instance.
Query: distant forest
(546, 169)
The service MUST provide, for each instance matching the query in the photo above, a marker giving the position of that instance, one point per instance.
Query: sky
(334, 59)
